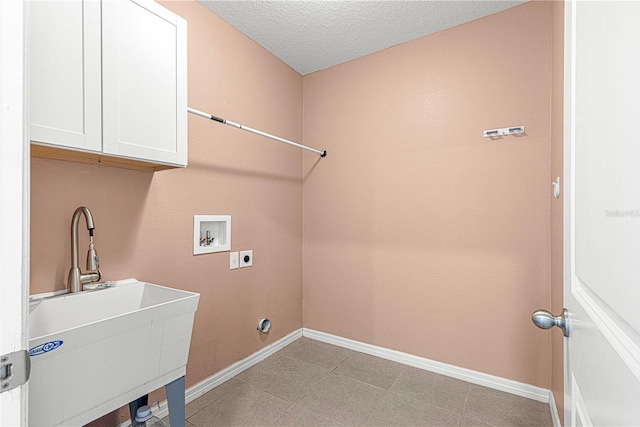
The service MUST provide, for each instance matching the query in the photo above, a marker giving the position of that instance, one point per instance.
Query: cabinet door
(144, 82)
(64, 73)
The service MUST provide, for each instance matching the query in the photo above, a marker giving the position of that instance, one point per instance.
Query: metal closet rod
(322, 153)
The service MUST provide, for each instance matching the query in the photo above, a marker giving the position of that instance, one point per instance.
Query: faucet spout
(76, 277)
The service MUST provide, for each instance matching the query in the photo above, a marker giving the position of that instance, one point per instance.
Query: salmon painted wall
(557, 120)
(144, 221)
(420, 235)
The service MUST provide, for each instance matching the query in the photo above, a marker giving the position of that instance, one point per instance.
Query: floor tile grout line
(310, 362)
(365, 382)
(283, 414)
(270, 394)
(466, 398)
(362, 382)
(422, 402)
(213, 401)
(304, 362)
(318, 414)
(359, 381)
(397, 378)
(325, 375)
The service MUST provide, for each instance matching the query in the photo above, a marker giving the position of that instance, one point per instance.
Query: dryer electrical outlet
(246, 258)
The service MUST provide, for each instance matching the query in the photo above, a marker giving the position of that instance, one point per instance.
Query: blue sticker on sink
(45, 348)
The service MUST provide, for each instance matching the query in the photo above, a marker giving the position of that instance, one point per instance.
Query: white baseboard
(231, 371)
(555, 417)
(475, 377)
(208, 384)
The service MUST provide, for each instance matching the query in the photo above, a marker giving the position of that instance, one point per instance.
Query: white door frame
(595, 314)
(14, 202)
(567, 208)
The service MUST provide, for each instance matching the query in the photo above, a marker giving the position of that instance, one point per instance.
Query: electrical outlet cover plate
(233, 260)
(244, 263)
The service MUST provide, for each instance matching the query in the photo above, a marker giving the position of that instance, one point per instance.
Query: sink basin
(95, 351)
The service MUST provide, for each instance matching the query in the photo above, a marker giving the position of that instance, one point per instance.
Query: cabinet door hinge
(14, 369)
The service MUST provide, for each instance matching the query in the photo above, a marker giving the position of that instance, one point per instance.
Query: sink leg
(175, 399)
(133, 407)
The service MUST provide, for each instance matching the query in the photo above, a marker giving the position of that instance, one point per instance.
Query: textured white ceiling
(311, 35)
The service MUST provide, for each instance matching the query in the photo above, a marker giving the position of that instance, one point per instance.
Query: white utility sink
(95, 351)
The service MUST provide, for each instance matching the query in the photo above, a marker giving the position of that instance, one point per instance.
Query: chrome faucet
(76, 277)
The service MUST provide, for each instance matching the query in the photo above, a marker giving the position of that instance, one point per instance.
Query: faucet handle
(93, 260)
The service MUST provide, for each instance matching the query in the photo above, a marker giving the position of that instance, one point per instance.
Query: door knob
(543, 319)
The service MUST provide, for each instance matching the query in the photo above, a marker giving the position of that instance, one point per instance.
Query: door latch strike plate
(15, 369)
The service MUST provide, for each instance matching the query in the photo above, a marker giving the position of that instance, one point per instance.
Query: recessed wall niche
(211, 233)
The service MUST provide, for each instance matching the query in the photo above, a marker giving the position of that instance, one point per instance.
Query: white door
(64, 73)
(602, 213)
(14, 259)
(144, 81)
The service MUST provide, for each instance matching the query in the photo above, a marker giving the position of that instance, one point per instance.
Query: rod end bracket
(324, 154)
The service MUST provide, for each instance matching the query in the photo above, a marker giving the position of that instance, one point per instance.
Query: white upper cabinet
(109, 77)
(65, 107)
(144, 81)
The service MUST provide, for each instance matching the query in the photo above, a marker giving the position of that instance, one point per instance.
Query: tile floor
(310, 383)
